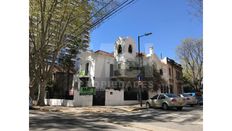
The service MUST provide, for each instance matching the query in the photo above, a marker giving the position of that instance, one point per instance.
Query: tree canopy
(54, 22)
(196, 8)
(190, 53)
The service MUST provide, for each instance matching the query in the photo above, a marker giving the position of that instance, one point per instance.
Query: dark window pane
(111, 69)
(119, 49)
(155, 97)
(130, 49)
(161, 72)
(161, 97)
(186, 95)
(171, 95)
(86, 68)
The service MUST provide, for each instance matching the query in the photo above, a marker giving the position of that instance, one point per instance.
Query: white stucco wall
(117, 98)
(125, 55)
(99, 68)
(58, 102)
(114, 99)
(82, 100)
(102, 71)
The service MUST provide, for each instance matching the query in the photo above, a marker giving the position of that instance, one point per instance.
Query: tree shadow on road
(97, 121)
(147, 115)
(65, 122)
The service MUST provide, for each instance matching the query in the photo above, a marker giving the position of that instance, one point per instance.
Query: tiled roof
(171, 61)
(104, 53)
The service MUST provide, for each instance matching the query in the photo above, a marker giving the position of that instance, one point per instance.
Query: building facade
(115, 76)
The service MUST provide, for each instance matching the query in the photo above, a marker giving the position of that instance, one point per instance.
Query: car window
(192, 94)
(155, 97)
(161, 97)
(171, 95)
(187, 95)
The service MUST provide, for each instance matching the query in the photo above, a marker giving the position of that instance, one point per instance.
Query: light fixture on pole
(140, 75)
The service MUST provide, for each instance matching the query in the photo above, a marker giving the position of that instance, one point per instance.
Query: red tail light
(173, 100)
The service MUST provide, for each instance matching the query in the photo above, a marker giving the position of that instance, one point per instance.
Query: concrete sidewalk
(129, 108)
(99, 109)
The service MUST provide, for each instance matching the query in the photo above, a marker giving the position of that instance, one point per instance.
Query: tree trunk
(32, 89)
(32, 92)
(68, 81)
(42, 94)
(38, 94)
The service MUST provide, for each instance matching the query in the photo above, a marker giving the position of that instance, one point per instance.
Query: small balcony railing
(125, 72)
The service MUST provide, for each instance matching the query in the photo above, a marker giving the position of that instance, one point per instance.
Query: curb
(46, 109)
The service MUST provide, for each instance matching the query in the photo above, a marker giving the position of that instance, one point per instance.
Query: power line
(93, 15)
(112, 12)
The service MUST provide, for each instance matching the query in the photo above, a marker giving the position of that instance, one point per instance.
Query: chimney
(151, 50)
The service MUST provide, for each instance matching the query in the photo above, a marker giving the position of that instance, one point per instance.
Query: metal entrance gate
(99, 98)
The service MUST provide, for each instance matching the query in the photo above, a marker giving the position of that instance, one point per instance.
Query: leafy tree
(190, 53)
(196, 8)
(50, 22)
(67, 60)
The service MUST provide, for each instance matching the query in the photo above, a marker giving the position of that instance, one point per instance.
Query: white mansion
(115, 75)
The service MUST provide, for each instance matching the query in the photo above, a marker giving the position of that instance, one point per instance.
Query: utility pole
(140, 74)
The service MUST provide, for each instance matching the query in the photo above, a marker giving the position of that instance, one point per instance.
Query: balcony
(125, 73)
(83, 74)
(132, 72)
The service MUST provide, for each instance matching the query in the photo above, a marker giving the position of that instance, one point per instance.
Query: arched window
(119, 49)
(130, 49)
(86, 68)
(161, 72)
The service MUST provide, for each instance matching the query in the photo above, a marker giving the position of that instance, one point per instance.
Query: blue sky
(168, 20)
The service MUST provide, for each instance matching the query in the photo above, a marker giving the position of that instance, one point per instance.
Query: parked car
(165, 101)
(189, 99)
(199, 100)
(198, 96)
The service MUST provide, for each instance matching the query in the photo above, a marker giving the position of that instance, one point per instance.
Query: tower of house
(124, 49)
(124, 54)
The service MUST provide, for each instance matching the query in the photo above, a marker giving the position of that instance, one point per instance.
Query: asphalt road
(79, 119)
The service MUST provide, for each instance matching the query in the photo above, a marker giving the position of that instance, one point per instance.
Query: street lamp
(140, 74)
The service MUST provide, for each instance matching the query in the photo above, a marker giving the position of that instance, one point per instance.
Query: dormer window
(119, 49)
(130, 49)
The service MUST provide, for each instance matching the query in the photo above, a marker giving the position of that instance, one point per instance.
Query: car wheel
(179, 108)
(164, 106)
(191, 105)
(148, 105)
